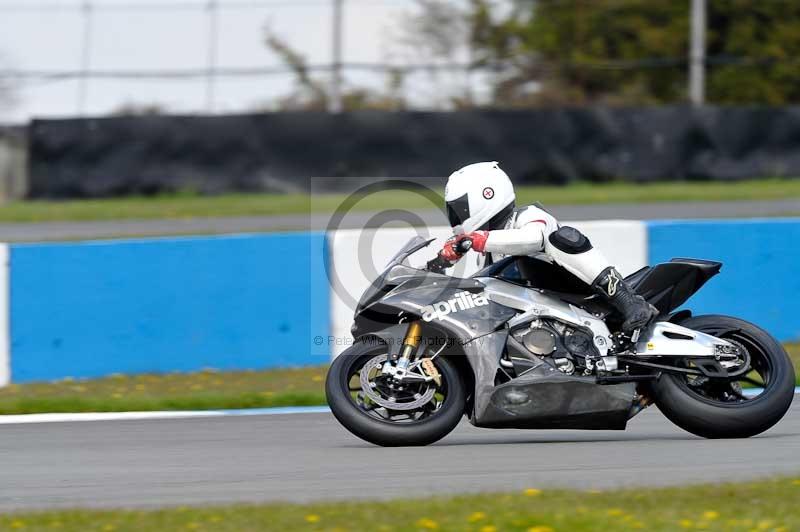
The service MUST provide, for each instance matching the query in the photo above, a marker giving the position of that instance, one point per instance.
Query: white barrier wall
(357, 256)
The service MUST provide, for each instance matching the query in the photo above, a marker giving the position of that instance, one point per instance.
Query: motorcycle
(524, 344)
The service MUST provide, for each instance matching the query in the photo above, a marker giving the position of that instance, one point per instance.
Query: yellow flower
(215, 519)
(192, 526)
(430, 524)
(796, 482)
(541, 528)
(312, 518)
(615, 512)
(488, 528)
(685, 523)
(109, 528)
(55, 524)
(18, 523)
(532, 492)
(116, 395)
(477, 516)
(317, 378)
(763, 525)
(710, 514)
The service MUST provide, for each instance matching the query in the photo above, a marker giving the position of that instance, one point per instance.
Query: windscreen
(412, 246)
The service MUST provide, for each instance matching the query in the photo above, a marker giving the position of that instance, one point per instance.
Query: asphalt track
(308, 457)
(43, 231)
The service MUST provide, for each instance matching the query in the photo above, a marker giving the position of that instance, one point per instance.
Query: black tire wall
(283, 151)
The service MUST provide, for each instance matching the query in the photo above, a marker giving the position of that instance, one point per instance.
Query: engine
(566, 346)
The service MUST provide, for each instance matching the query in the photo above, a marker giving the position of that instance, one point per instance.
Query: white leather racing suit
(533, 230)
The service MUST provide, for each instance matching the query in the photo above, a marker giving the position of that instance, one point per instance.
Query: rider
(480, 206)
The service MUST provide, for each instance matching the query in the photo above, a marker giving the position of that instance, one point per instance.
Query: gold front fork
(410, 344)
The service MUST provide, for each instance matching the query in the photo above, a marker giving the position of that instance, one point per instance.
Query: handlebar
(464, 245)
(437, 265)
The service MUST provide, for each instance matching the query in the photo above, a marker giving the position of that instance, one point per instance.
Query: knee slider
(570, 240)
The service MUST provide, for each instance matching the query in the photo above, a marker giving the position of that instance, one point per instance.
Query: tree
(577, 51)
(436, 33)
(754, 48)
(573, 52)
(312, 94)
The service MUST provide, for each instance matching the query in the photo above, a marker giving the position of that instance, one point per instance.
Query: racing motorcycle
(524, 344)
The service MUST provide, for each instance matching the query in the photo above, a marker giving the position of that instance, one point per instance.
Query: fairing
(668, 285)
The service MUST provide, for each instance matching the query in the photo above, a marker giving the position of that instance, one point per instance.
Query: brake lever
(437, 265)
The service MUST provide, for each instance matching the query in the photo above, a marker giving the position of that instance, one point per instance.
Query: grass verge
(204, 390)
(192, 206)
(760, 506)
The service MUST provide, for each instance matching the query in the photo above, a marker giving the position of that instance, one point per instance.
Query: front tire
(385, 432)
(709, 416)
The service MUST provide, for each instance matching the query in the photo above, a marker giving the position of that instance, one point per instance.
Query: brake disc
(367, 387)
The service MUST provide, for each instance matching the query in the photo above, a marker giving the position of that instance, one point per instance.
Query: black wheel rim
(409, 392)
(734, 391)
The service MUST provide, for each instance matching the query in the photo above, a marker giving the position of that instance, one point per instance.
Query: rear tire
(713, 419)
(387, 433)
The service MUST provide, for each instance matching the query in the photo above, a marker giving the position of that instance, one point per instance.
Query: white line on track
(172, 414)
(176, 414)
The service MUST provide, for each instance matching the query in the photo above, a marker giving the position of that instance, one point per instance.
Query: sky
(48, 34)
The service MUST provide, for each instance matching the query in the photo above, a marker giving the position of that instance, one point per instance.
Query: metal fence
(214, 71)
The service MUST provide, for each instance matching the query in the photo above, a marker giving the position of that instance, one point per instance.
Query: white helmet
(479, 197)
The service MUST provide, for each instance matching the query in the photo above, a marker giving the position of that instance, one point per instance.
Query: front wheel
(735, 407)
(376, 408)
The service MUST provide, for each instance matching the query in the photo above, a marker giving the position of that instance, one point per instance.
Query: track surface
(29, 232)
(310, 457)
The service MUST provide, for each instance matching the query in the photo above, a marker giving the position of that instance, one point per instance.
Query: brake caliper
(430, 370)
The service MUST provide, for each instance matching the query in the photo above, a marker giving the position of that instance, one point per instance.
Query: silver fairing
(535, 304)
(662, 339)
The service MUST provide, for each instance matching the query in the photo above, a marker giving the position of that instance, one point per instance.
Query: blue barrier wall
(95, 308)
(759, 280)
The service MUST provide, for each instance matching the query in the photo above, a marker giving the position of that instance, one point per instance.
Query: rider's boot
(636, 312)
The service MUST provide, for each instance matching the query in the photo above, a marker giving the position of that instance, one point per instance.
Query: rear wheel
(375, 407)
(751, 401)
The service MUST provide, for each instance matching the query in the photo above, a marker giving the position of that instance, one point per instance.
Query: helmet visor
(458, 211)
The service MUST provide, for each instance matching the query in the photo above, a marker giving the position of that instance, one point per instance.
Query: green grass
(191, 206)
(794, 353)
(204, 390)
(759, 506)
